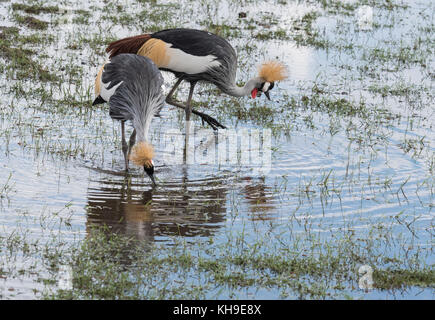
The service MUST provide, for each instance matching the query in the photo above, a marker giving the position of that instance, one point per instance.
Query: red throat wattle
(254, 93)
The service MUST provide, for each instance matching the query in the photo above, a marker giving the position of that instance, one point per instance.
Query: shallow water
(318, 173)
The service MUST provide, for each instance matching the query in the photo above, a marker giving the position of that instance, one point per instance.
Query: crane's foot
(210, 120)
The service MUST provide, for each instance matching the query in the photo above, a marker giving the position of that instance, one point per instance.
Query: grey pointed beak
(267, 94)
(151, 175)
(150, 172)
(153, 180)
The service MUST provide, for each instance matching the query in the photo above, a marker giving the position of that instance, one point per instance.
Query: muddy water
(314, 175)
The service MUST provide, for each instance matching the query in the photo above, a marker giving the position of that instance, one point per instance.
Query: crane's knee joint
(124, 146)
(169, 100)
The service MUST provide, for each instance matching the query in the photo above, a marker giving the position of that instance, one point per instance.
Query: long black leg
(131, 143)
(189, 100)
(210, 120)
(124, 145)
(169, 96)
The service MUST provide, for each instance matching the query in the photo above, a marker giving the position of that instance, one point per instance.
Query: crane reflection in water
(177, 208)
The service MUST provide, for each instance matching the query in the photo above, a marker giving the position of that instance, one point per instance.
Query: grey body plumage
(131, 84)
(139, 97)
(203, 43)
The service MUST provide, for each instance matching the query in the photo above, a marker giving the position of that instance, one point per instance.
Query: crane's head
(269, 72)
(262, 87)
(142, 155)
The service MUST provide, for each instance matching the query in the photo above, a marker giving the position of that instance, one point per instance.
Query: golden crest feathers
(273, 71)
(142, 154)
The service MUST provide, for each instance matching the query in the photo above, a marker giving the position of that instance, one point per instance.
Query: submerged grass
(106, 265)
(32, 22)
(22, 63)
(34, 8)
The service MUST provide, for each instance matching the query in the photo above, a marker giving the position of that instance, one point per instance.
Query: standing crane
(131, 84)
(194, 55)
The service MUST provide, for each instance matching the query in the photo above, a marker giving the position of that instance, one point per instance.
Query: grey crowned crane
(131, 84)
(194, 55)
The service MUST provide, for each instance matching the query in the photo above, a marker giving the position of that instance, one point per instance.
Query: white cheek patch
(105, 93)
(265, 86)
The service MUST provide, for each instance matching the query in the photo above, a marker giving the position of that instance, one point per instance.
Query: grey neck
(237, 91)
